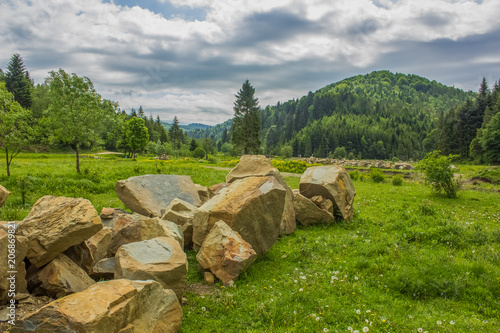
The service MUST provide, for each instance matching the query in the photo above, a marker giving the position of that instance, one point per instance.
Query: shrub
(377, 175)
(354, 175)
(397, 180)
(286, 151)
(438, 173)
(199, 153)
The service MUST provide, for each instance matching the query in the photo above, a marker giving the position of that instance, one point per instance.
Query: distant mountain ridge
(187, 128)
(379, 115)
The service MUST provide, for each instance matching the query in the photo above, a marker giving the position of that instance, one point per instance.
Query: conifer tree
(245, 131)
(176, 134)
(18, 81)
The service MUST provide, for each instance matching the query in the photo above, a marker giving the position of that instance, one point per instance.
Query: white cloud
(286, 46)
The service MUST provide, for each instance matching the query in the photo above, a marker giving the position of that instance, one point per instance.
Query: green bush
(199, 153)
(354, 175)
(377, 175)
(286, 151)
(438, 173)
(397, 180)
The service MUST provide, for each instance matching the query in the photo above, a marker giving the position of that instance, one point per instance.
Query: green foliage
(377, 175)
(438, 173)
(354, 174)
(340, 153)
(75, 113)
(291, 166)
(245, 131)
(15, 130)
(490, 140)
(136, 134)
(287, 151)
(199, 153)
(397, 180)
(176, 134)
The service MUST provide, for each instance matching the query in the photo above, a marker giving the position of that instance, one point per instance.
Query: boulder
(109, 216)
(12, 269)
(225, 253)
(160, 259)
(148, 194)
(118, 306)
(202, 192)
(142, 228)
(214, 189)
(4, 194)
(250, 166)
(99, 244)
(58, 278)
(251, 206)
(182, 213)
(261, 166)
(54, 224)
(104, 269)
(331, 182)
(81, 255)
(308, 213)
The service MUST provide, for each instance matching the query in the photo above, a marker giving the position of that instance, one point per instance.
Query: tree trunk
(7, 160)
(78, 158)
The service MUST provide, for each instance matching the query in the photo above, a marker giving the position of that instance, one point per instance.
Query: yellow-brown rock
(99, 244)
(308, 213)
(225, 253)
(117, 306)
(58, 278)
(251, 206)
(331, 182)
(4, 194)
(160, 259)
(141, 228)
(182, 213)
(56, 223)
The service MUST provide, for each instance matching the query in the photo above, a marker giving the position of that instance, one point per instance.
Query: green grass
(409, 259)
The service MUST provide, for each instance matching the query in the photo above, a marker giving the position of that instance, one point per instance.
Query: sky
(188, 58)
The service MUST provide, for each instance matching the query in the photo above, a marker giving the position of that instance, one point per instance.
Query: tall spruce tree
(245, 131)
(176, 134)
(18, 81)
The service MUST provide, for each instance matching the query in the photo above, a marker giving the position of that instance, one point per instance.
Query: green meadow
(409, 261)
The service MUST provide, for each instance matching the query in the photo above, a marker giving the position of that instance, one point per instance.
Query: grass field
(409, 261)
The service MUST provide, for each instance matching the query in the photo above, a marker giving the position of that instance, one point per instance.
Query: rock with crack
(225, 253)
(149, 194)
(99, 244)
(251, 206)
(81, 255)
(120, 306)
(54, 224)
(308, 213)
(160, 259)
(58, 278)
(331, 182)
(140, 228)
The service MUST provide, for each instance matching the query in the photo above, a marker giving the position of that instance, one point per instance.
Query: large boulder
(251, 206)
(4, 194)
(160, 259)
(261, 166)
(12, 269)
(308, 213)
(214, 189)
(225, 253)
(59, 278)
(56, 223)
(142, 228)
(149, 194)
(331, 182)
(182, 213)
(118, 306)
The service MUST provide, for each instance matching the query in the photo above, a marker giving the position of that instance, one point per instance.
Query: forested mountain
(377, 115)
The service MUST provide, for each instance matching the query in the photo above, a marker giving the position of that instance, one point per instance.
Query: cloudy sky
(188, 58)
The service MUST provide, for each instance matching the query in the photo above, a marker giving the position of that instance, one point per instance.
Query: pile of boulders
(139, 257)
(360, 163)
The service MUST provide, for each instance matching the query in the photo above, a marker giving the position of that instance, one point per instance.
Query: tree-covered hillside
(378, 115)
